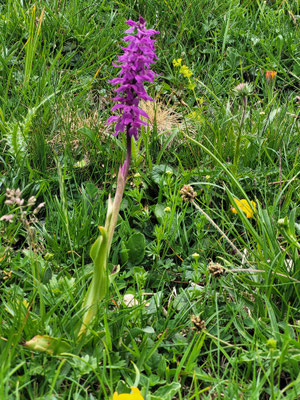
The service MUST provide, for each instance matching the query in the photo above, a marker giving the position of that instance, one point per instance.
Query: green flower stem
(121, 181)
(238, 140)
(272, 374)
(101, 248)
(219, 230)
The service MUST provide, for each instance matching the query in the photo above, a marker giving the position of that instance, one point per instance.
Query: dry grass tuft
(71, 122)
(164, 116)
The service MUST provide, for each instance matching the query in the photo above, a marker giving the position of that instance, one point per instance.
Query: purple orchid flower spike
(135, 70)
(135, 65)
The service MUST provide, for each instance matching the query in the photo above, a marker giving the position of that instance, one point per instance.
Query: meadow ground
(207, 241)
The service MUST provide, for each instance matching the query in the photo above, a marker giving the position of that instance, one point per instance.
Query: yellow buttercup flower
(245, 207)
(134, 395)
(177, 62)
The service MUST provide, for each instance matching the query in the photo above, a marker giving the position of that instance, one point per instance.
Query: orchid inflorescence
(135, 70)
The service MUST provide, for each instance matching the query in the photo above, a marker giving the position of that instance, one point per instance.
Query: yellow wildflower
(245, 207)
(134, 395)
(185, 71)
(177, 62)
(196, 115)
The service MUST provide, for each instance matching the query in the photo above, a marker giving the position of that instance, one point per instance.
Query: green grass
(217, 294)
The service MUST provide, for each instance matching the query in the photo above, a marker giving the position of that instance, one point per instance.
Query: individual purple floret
(135, 70)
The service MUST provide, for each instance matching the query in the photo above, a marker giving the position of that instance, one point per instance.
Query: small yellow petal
(177, 62)
(244, 206)
(135, 395)
(185, 71)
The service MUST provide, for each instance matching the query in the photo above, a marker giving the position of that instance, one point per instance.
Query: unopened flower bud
(283, 222)
(271, 344)
(31, 201)
(48, 256)
(37, 209)
(19, 201)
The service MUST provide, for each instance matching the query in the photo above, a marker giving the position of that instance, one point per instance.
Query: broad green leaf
(136, 245)
(166, 392)
(159, 174)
